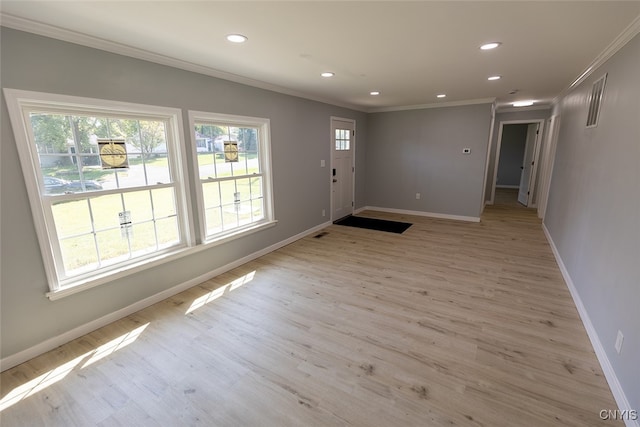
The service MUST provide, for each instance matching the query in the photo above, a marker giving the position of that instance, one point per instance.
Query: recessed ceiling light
(494, 78)
(327, 74)
(523, 103)
(489, 46)
(236, 38)
(442, 95)
(374, 93)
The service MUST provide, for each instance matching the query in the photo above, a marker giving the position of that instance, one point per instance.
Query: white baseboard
(357, 211)
(420, 213)
(508, 186)
(605, 364)
(54, 342)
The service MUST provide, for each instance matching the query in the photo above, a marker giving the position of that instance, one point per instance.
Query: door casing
(499, 145)
(334, 123)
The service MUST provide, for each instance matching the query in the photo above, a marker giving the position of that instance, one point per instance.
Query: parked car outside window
(54, 185)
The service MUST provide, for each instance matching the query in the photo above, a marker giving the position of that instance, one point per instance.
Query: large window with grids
(232, 156)
(105, 180)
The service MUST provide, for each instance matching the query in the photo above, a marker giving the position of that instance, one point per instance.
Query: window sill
(234, 234)
(110, 276)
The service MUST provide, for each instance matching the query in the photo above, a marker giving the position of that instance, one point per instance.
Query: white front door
(524, 195)
(342, 167)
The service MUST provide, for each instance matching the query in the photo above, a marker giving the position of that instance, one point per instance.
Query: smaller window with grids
(233, 159)
(343, 139)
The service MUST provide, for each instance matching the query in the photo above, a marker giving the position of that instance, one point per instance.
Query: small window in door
(343, 139)
(595, 101)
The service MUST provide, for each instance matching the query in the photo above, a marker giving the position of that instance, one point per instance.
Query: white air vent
(594, 102)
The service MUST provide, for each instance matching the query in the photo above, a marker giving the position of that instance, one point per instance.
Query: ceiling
(409, 51)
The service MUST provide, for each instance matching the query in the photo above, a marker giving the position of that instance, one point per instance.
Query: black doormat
(374, 224)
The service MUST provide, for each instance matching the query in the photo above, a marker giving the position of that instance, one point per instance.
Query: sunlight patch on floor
(217, 293)
(115, 345)
(57, 374)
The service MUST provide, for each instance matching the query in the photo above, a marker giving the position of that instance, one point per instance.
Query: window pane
(211, 194)
(106, 210)
(247, 138)
(143, 238)
(253, 164)
(72, 179)
(229, 217)
(168, 232)
(214, 220)
(163, 202)
(157, 169)
(239, 167)
(139, 204)
(113, 246)
(222, 167)
(152, 139)
(243, 189)
(257, 206)
(245, 215)
(72, 218)
(209, 137)
(51, 132)
(228, 192)
(206, 165)
(256, 186)
(79, 254)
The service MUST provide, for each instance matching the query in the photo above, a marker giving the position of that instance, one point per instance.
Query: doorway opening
(516, 170)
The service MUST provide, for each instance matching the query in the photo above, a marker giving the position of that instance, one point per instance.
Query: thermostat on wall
(466, 151)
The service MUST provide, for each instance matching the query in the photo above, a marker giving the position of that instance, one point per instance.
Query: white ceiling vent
(595, 101)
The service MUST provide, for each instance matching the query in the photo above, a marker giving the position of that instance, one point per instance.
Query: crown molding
(58, 33)
(433, 105)
(618, 43)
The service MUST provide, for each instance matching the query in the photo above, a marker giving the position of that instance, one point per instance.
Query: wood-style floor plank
(450, 323)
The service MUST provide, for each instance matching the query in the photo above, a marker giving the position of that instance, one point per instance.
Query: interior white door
(547, 164)
(524, 195)
(342, 167)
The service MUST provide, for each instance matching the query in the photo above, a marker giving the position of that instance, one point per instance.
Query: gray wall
(300, 139)
(420, 151)
(507, 116)
(593, 212)
(514, 139)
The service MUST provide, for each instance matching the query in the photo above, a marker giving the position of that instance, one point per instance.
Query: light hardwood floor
(450, 323)
(507, 197)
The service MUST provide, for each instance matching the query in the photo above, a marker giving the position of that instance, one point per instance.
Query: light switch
(322, 163)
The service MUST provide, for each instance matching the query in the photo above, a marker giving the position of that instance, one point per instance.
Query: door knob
(335, 180)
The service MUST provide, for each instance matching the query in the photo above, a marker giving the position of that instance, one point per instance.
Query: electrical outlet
(417, 196)
(619, 340)
(324, 213)
(466, 151)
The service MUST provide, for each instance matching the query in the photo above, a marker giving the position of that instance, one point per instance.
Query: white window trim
(265, 163)
(17, 102)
